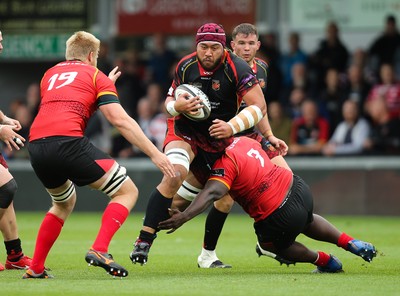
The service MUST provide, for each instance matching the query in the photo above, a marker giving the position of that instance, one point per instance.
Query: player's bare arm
(213, 190)
(265, 129)
(245, 119)
(131, 131)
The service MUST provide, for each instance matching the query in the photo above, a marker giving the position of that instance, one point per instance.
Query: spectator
(331, 98)
(385, 132)
(130, 90)
(151, 118)
(297, 97)
(279, 121)
(104, 62)
(357, 88)
(269, 52)
(155, 95)
(300, 80)
(129, 85)
(295, 55)
(98, 130)
(350, 135)
(160, 60)
(332, 53)
(388, 90)
(310, 132)
(383, 49)
(33, 98)
(359, 58)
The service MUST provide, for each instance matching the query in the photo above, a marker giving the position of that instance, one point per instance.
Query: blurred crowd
(327, 102)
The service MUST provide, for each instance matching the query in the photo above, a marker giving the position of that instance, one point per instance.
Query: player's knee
(7, 192)
(187, 191)
(116, 178)
(179, 156)
(224, 204)
(180, 203)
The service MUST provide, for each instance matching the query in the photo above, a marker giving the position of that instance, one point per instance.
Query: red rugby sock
(114, 216)
(322, 259)
(344, 240)
(48, 232)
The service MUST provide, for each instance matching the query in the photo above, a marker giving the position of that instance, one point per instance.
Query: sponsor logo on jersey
(218, 172)
(216, 84)
(261, 82)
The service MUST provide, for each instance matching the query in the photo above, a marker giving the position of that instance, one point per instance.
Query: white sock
(208, 253)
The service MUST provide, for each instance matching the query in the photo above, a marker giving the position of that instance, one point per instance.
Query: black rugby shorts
(57, 159)
(283, 226)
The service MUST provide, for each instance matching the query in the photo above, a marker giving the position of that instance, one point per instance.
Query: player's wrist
(234, 131)
(268, 133)
(171, 108)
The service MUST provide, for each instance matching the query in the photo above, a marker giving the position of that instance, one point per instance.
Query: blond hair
(80, 45)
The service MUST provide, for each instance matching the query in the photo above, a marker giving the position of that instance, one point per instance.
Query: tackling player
(61, 156)
(280, 203)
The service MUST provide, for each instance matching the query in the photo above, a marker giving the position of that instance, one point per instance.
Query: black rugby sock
(14, 249)
(214, 224)
(157, 209)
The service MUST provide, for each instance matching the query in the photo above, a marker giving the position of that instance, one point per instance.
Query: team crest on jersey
(216, 84)
(261, 81)
(218, 172)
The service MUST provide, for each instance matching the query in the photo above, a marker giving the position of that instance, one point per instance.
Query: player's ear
(258, 44)
(92, 58)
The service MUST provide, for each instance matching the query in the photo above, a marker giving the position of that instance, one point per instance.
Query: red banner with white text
(139, 17)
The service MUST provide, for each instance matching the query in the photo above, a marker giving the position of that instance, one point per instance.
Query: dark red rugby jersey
(253, 180)
(260, 68)
(225, 87)
(71, 91)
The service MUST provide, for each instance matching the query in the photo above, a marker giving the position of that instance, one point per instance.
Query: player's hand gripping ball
(193, 91)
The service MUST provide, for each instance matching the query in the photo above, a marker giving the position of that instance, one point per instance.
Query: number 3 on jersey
(61, 80)
(254, 153)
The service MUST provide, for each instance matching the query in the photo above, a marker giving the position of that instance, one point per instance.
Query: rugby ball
(192, 91)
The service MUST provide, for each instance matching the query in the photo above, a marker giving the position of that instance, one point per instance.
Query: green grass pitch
(172, 267)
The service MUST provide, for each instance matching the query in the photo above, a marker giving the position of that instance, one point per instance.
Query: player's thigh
(58, 159)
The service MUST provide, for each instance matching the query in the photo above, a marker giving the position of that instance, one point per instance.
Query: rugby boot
(105, 261)
(208, 259)
(29, 274)
(23, 263)
(363, 249)
(140, 252)
(334, 266)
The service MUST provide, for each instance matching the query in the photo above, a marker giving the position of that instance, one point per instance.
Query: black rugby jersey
(260, 69)
(225, 87)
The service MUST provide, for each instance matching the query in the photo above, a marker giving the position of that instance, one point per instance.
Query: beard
(208, 65)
